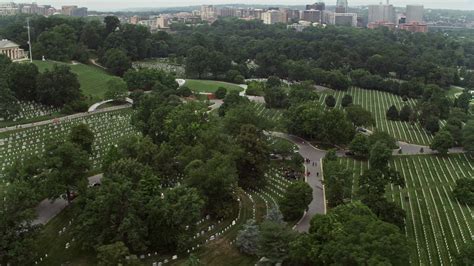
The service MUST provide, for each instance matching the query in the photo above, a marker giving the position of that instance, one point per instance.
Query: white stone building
(12, 50)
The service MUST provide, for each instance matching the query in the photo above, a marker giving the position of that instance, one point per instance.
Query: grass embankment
(93, 79)
(210, 85)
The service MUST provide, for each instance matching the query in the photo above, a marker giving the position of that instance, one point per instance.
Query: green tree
(468, 137)
(9, 106)
(330, 101)
(197, 62)
(350, 234)
(380, 156)
(464, 100)
(16, 231)
(58, 86)
(68, 165)
(221, 93)
(336, 128)
(432, 124)
(405, 113)
(338, 183)
(359, 116)
(384, 137)
(22, 81)
(58, 43)
(112, 254)
(296, 200)
(91, 35)
(247, 238)
(464, 191)
(360, 146)
(346, 100)
(252, 163)
(273, 82)
(392, 113)
(111, 24)
(216, 180)
(442, 142)
(82, 136)
(275, 97)
(274, 241)
(116, 89)
(116, 61)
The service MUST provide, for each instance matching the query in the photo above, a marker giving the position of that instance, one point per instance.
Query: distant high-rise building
(226, 12)
(414, 13)
(311, 15)
(274, 16)
(162, 23)
(316, 6)
(341, 6)
(382, 13)
(208, 12)
(8, 9)
(74, 11)
(342, 19)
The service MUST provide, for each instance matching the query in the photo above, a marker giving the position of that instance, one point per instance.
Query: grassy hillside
(91, 78)
(210, 85)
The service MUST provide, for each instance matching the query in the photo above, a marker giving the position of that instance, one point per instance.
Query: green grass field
(378, 103)
(274, 115)
(210, 85)
(93, 79)
(436, 223)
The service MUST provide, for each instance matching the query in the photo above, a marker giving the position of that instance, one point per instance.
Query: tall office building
(208, 12)
(311, 15)
(414, 13)
(341, 6)
(274, 16)
(382, 13)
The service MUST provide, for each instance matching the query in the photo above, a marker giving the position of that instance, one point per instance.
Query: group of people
(307, 160)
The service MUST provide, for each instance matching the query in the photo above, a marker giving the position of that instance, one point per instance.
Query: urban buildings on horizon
(11, 8)
(379, 15)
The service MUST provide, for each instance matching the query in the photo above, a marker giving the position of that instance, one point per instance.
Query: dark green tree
(58, 86)
(346, 100)
(247, 238)
(359, 116)
(360, 146)
(392, 113)
(330, 101)
(468, 137)
(405, 113)
(221, 93)
(82, 136)
(111, 24)
(296, 200)
(274, 241)
(464, 191)
(116, 61)
(442, 142)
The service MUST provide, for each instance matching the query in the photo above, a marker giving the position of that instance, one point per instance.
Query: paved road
(318, 205)
(47, 209)
(413, 149)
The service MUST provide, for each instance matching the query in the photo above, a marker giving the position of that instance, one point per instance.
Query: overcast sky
(122, 4)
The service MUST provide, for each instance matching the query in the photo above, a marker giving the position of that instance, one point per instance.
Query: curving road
(315, 180)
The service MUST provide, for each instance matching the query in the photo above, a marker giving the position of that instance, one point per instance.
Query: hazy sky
(121, 4)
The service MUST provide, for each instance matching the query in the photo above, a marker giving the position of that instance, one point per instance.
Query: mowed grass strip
(436, 223)
(93, 79)
(210, 85)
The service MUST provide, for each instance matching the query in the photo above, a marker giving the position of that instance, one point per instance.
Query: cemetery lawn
(378, 102)
(93, 79)
(108, 128)
(436, 223)
(210, 85)
(31, 120)
(50, 242)
(274, 115)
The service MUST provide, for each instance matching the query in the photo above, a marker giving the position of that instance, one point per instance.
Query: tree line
(57, 87)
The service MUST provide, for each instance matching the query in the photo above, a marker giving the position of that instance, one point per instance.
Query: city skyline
(126, 4)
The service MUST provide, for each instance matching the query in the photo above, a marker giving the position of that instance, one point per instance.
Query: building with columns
(12, 50)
